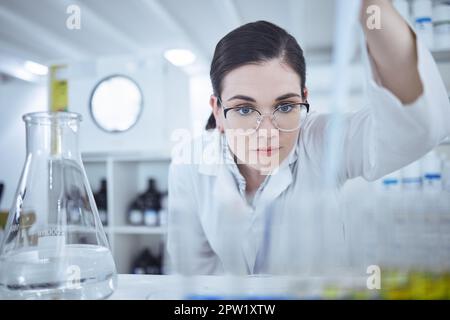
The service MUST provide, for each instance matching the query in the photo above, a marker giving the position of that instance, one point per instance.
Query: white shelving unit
(442, 58)
(127, 176)
(446, 141)
(441, 55)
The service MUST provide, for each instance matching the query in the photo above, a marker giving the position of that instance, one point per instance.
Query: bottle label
(423, 20)
(58, 88)
(139, 270)
(151, 217)
(75, 216)
(103, 216)
(136, 217)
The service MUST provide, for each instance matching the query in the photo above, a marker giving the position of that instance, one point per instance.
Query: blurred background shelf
(127, 175)
(441, 55)
(93, 157)
(446, 142)
(138, 230)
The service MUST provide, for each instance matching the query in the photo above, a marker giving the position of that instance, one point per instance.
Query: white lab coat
(213, 229)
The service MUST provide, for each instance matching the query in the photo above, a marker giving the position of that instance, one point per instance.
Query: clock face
(116, 103)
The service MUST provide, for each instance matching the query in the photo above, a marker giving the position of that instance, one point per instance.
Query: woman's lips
(267, 151)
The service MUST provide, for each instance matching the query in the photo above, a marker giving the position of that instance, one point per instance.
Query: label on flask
(51, 243)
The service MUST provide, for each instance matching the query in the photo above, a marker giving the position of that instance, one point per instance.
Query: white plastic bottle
(446, 174)
(411, 213)
(423, 21)
(432, 172)
(389, 215)
(441, 25)
(402, 7)
(412, 176)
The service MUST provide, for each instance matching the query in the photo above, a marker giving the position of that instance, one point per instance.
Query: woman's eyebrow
(242, 97)
(287, 95)
(247, 98)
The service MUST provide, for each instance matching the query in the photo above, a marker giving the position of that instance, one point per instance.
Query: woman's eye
(285, 108)
(243, 111)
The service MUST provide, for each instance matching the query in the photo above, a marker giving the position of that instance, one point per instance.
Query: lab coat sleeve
(187, 245)
(387, 135)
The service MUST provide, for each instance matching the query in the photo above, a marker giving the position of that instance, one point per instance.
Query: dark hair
(252, 43)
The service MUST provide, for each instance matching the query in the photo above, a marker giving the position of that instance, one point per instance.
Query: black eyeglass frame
(304, 104)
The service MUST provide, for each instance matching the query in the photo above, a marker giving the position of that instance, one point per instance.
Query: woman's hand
(393, 50)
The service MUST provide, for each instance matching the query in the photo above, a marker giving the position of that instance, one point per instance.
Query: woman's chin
(267, 164)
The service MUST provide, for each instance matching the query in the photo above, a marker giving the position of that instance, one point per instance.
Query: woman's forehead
(264, 81)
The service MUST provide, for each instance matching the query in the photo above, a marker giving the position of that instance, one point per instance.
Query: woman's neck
(253, 178)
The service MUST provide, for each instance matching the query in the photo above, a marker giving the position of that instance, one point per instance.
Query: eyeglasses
(286, 117)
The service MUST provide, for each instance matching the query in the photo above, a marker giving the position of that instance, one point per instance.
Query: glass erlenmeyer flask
(54, 246)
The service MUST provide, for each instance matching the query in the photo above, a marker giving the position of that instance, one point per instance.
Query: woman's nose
(266, 123)
(267, 129)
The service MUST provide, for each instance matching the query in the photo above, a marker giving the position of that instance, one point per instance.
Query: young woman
(231, 212)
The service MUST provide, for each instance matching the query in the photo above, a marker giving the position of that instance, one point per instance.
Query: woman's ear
(305, 93)
(216, 109)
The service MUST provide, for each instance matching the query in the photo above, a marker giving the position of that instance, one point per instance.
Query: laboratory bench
(395, 285)
(174, 287)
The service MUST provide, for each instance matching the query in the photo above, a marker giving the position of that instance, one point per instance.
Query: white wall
(16, 98)
(166, 105)
(200, 92)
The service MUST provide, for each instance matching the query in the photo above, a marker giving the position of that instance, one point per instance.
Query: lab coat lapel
(278, 182)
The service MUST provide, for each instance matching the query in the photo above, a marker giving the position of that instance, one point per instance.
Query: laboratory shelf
(127, 175)
(446, 142)
(162, 156)
(441, 55)
(93, 159)
(138, 230)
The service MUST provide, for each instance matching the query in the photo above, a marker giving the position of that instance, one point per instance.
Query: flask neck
(53, 134)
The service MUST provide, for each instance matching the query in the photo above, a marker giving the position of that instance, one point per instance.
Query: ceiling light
(36, 68)
(179, 57)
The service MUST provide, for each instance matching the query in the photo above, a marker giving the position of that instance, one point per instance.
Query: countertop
(173, 287)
